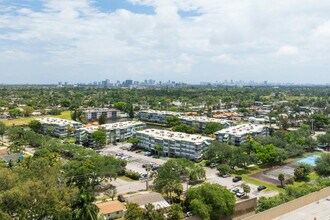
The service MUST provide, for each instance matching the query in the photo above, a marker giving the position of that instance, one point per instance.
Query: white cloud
(74, 37)
(287, 51)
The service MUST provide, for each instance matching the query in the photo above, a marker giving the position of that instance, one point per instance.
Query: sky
(47, 41)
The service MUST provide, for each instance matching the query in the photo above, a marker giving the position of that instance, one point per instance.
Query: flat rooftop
(243, 129)
(319, 210)
(161, 112)
(176, 136)
(100, 110)
(204, 119)
(113, 126)
(57, 121)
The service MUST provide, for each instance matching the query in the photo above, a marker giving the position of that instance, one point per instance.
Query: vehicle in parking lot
(225, 175)
(235, 190)
(138, 151)
(240, 194)
(155, 168)
(189, 214)
(260, 188)
(121, 198)
(148, 153)
(212, 165)
(237, 178)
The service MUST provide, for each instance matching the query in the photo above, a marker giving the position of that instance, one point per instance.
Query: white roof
(178, 136)
(57, 121)
(161, 112)
(113, 126)
(243, 129)
(204, 119)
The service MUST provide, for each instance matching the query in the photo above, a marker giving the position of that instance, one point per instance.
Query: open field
(25, 121)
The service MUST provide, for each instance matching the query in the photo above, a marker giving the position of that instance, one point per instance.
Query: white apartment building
(175, 144)
(58, 127)
(95, 113)
(114, 131)
(201, 121)
(156, 115)
(237, 134)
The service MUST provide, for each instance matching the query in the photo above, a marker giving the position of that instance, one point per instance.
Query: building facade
(95, 113)
(174, 144)
(201, 121)
(156, 116)
(114, 132)
(58, 127)
(237, 135)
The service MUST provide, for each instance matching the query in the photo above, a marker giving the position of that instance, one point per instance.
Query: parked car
(225, 175)
(260, 188)
(148, 154)
(240, 194)
(121, 198)
(235, 190)
(212, 165)
(237, 178)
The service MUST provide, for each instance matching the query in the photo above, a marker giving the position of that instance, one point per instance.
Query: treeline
(57, 182)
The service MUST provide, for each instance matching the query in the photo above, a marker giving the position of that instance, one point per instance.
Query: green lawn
(64, 115)
(125, 178)
(25, 121)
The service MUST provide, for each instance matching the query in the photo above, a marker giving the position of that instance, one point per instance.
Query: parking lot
(212, 177)
(135, 160)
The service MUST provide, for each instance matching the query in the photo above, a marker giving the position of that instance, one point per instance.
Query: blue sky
(46, 41)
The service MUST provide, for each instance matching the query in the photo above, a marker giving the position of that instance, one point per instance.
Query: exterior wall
(112, 135)
(172, 148)
(155, 116)
(114, 215)
(238, 140)
(95, 114)
(60, 131)
(291, 206)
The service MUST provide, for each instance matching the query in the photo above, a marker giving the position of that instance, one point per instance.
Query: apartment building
(95, 113)
(58, 127)
(201, 121)
(156, 116)
(114, 131)
(175, 144)
(237, 134)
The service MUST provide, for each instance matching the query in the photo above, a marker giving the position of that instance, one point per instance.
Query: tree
(133, 212)
(200, 209)
(102, 119)
(185, 129)
(224, 169)
(159, 149)
(28, 110)
(151, 213)
(35, 125)
(246, 188)
(175, 212)
(210, 201)
(99, 138)
(3, 129)
(281, 178)
(173, 120)
(323, 165)
(84, 207)
(111, 193)
(302, 171)
(14, 113)
(134, 141)
(212, 127)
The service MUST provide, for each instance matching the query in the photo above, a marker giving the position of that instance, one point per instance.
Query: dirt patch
(271, 175)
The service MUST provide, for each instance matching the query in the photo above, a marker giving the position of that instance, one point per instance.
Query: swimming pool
(309, 160)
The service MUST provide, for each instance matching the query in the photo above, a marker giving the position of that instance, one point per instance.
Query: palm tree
(281, 178)
(159, 149)
(84, 208)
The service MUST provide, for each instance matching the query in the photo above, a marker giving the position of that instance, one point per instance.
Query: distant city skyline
(190, 41)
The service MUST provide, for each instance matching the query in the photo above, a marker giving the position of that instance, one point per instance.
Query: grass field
(25, 121)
